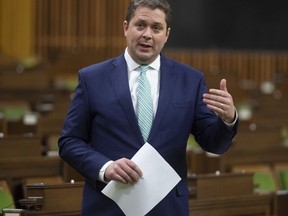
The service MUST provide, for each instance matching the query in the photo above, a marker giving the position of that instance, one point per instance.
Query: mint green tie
(144, 103)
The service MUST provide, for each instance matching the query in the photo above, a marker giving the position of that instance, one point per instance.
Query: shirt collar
(132, 65)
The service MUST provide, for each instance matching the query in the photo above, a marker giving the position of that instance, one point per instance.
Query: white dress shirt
(153, 75)
(133, 70)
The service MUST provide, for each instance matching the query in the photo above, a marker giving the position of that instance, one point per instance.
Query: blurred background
(43, 44)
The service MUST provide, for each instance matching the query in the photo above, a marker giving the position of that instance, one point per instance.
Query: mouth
(145, 46)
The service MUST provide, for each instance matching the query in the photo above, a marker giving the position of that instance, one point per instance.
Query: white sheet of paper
(158, 180)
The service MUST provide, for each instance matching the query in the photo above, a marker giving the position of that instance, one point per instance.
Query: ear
(167, 34)
(125, 27)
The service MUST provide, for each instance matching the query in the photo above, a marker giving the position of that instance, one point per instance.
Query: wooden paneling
(73, 26)
(17, 28)
(235, 65)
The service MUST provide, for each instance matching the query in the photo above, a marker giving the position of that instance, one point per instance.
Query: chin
(146, 58)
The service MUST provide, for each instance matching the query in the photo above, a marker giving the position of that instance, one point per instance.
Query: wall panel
(17, 28)
(80, 25)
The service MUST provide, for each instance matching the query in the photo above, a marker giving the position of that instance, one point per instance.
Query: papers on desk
(158, 180)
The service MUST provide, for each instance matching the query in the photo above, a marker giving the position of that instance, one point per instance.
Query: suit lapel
(167, 85)
(119, 80)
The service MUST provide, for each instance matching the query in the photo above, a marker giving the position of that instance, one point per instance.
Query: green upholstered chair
(284, 179)
(6, 198)
(264, 181)
(14, 113)
(281, 171)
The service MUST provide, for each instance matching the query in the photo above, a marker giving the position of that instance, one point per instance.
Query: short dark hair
(153, 4)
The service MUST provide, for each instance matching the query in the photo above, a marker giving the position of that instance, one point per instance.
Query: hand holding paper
(124, 171)
(158, 180)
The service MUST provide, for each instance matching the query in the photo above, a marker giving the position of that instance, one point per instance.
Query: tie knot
(144, 68)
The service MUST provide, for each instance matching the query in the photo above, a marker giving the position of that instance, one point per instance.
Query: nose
(147, 33)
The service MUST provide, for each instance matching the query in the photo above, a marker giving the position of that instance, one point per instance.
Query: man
(101, 131)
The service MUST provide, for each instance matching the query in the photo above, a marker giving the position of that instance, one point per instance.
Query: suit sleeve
(210, 132)
(73, 143)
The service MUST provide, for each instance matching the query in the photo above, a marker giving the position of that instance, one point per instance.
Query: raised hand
(221, 102)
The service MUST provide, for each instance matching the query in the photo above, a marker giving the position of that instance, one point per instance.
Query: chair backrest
(284, 179)
(6, 198)
(264, 181)
(281, 170)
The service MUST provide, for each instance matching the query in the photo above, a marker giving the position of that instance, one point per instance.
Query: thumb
(223, 85)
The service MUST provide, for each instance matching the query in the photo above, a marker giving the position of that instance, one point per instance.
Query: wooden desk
(201, 162)
(228, 194)
(14, 170)
(29, 213)
(18, 127)
(2, 125)
(206, 186)
(281, 208)
(264, 145)
(34, 79)
(65, 197)
(19, 146)
(250, 205)
(30, 167)
(22, 212)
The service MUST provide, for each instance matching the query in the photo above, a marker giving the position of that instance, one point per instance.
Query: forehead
(149, 15)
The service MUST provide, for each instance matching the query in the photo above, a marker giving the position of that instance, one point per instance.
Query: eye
(140, 25)
(157, 28)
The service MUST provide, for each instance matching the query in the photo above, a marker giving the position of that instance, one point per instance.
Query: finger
(223, 85)
(120, 179)
(215, 96)
(133, 171)
(114, 172)
(127, 176)
(215, 104)
(118, 171)
(128, 170)
(135, 168)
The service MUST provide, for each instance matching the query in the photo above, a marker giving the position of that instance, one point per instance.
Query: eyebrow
(144, 21)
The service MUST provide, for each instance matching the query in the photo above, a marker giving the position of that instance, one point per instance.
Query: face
(146, 34)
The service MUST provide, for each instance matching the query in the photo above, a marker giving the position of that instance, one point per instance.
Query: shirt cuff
(235, 120)
(101, 176)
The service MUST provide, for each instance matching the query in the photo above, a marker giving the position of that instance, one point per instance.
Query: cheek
(130, 40)
(132, 36)
(161, 42)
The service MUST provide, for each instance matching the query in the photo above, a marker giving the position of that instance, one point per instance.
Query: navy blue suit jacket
(101, 125)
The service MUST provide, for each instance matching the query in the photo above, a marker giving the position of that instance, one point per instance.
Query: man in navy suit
(101, 132)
